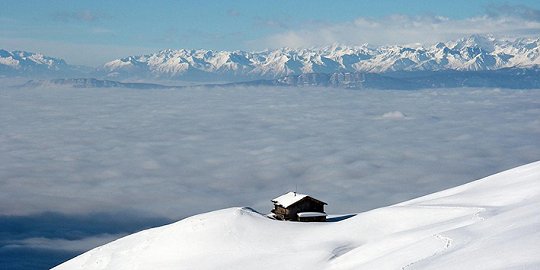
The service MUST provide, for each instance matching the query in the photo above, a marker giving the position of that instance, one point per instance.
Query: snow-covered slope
(472, 53)
(492, 223)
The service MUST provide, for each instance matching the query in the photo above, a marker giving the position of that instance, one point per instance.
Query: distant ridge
(504, 78)
(92, 83)
(98, 83)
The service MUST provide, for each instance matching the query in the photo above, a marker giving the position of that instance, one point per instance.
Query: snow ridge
(474, 53)
(443, 230)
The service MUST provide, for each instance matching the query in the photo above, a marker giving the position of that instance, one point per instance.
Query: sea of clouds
(170, 154)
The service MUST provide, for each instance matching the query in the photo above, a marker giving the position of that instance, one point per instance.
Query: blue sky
(92, 32)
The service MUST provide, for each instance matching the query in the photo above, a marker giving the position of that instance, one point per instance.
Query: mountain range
(476, 53)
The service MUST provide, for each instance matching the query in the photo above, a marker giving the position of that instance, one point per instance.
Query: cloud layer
(499, 20)
(176, 153)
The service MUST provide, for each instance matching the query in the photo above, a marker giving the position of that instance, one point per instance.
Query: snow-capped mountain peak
(28, 63)
(28, 60)
(483, 42)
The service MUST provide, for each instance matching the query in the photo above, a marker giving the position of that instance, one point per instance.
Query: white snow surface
(492, 223)
(289, 198)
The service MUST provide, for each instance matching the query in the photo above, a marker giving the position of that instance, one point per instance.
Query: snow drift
(491, 223)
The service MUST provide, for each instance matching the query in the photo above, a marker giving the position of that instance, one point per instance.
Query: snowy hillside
(491, 223)
(474, 53)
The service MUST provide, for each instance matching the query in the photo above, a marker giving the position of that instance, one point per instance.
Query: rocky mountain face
(474, 53)
(511, 78)
(354, 80)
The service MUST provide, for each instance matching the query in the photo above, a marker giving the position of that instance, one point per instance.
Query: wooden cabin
(298, 207)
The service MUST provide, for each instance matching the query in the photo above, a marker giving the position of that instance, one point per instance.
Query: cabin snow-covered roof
(291, 198)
